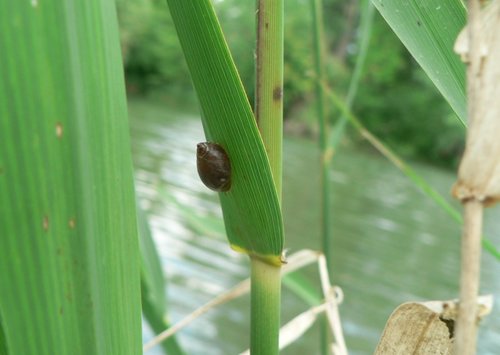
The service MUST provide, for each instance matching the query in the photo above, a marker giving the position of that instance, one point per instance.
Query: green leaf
(69, 260)
(302, 287)
(251, 209)
(3, 342)
(154, 298)
(428, 29)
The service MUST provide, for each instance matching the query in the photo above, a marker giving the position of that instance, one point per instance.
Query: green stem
(405, 168)
(266, 282)
(326, 154)
(319, 65)
(265, 301)
(269, 83)
(365, 28)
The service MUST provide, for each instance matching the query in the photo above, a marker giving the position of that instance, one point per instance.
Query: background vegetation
(395, 100)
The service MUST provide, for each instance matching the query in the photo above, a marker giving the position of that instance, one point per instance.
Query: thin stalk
(420, 182)
(366, 24)
(265, 278)
(326, 154)
(269, 83)
(328, 142)
(465, 340)
(265, 302)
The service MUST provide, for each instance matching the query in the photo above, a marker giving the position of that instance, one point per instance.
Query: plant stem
(269, 83)
(265, 316)
(266, 282)
(365, 29)
(326, 154)
(405, 168)
(465, 341)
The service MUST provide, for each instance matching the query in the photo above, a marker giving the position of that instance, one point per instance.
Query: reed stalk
(265, 302)
(466, 336)
(326, 153)
(470, 265)
(265, 277)
(269, 83)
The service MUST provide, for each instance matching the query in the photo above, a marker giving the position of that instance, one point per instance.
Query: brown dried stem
(465, 341)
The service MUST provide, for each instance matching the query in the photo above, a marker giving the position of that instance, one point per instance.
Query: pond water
(390, 243)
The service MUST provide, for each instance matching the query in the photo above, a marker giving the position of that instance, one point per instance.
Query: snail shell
(214, 166)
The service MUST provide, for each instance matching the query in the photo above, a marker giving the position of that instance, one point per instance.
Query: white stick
(465, 341)
(333, 296)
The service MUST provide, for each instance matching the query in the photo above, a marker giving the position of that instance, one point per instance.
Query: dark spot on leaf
(277, 94)
(267, 25)
(419, 23)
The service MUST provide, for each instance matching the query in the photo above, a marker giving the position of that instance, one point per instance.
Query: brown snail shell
(214, 167)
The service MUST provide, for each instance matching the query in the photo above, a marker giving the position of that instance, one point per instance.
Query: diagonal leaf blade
(154, 297)
(251, 208)
(428, 29)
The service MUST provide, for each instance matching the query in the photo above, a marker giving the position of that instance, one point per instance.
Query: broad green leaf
(69, 259)
(428, 29)
(251, 209)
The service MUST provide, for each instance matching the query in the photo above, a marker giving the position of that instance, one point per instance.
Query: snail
(214, 166)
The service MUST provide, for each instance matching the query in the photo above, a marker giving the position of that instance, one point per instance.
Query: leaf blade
(251, 208)
(428, 30)
(69, 259)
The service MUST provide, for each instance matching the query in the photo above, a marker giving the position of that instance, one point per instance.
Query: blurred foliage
(151, 51)
(398, 103)
(396, 100)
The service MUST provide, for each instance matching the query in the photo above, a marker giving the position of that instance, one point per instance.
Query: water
(391, 244)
